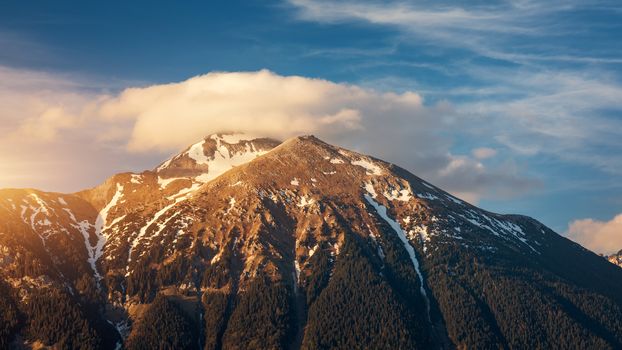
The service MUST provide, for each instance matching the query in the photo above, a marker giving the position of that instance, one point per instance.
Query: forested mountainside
(241, 243)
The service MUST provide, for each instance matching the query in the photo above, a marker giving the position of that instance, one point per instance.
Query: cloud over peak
(161, 119)
(261, 102)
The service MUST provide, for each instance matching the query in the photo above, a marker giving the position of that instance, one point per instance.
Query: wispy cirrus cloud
(487, 29)
(571, 115)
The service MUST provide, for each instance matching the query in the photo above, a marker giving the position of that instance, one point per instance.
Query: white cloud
(599, 236)
(162, 119)
(255, 102)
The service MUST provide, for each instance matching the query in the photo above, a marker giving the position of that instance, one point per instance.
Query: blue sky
(536, 84)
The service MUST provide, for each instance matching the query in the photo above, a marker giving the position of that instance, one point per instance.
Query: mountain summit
(242, 242)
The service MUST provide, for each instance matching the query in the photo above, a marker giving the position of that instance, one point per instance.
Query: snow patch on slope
(196, 152)
(181, 196)
(231, 205)
(401, 195)
(370, 167)
(370, 189)
(95, 252)
(137, 179)
(143, 230)
(382, 211)
(427, 196)
(223, 160)
(39, 219)
(41, 209)
(500, 228)
(165, 182)
(83, 227)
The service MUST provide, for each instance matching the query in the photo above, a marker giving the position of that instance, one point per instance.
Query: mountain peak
(213, 155)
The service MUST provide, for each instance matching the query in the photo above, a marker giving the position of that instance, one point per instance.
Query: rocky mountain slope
(240, 243)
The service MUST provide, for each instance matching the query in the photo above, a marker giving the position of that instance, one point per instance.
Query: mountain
(244, 243)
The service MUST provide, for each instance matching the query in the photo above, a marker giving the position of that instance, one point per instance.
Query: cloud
(50, 136)
(570, 115)
(484, 29)
(471, 180)
(255, 102)
(139, 123)
(39, 105)
(47, 124)
(264, 103)
(599, 236)
(484, 153)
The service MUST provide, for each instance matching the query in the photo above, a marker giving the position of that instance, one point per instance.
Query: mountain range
(251, 243)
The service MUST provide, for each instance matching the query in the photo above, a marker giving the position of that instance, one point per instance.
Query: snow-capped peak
(215, 154)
